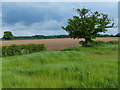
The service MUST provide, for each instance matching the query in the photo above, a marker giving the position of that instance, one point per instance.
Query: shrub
(82, 43)
(12, 50)
(112, 42)
(100, 42)
(92, 43)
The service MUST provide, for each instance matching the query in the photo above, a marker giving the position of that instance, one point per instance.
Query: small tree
(7, 35)
(87, 25)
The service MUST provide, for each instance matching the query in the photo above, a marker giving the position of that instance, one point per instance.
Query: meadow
(77, 67)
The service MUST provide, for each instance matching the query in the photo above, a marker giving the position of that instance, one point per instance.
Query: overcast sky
(46, 18)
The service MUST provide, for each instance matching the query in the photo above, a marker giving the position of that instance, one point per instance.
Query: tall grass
(0, 73)
(77, 67)
(0, 69)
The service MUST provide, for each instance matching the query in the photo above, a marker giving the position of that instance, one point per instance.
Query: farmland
(65, 45)
(71, 66)
(54, 44)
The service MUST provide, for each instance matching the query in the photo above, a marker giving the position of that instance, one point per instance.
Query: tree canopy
(88, 24)
(7, 35)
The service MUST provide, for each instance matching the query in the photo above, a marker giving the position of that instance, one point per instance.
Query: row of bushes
(12, 50)
(96, 43)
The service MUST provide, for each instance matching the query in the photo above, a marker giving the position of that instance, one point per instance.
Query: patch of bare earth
(54, 44)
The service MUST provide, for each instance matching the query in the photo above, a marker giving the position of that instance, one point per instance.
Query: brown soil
(54, 44)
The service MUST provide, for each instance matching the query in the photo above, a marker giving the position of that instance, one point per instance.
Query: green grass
(0, 73)
(76, 67)
(0, 69)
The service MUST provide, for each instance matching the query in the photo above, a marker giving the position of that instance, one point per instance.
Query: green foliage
(92, 43)
(13, 50)
(105, 35)
(117, 35)
(78, 68)
(8, 35)
(98, 43)
(39, 37)
(87, 25)
(112, 42)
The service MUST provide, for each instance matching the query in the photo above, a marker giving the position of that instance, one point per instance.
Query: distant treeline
(41, 37)
(55, 36)
(107, 35)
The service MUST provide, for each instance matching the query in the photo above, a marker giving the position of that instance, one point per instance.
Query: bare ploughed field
(54, 44)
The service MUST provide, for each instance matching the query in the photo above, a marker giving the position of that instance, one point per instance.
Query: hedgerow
(12, 50)
(97, 43)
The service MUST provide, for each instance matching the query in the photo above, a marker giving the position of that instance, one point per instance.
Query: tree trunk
(87, 42)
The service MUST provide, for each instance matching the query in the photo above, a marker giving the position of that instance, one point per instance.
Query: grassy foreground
(70, 68)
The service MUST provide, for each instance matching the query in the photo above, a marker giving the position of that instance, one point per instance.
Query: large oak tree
(88, 24)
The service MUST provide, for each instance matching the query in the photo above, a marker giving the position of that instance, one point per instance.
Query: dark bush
(100, 42)
(112, 42)
(12, 50)
(92, 43)
(82, 43)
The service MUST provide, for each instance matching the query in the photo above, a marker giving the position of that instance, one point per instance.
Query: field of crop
(54, 44)
(76, 67)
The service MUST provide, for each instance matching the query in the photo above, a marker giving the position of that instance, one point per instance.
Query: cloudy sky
(46, 18)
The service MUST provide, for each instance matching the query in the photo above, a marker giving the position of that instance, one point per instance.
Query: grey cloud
(47, 17)
(1, 19)
(29, 13)
(46, 28)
